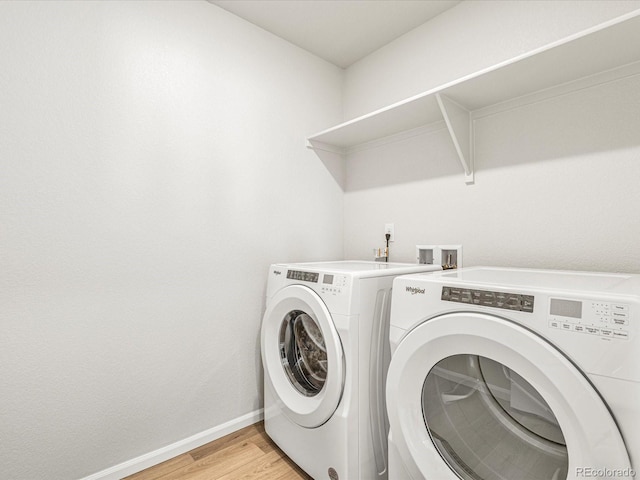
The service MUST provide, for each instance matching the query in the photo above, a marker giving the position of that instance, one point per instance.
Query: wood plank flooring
(248, 454)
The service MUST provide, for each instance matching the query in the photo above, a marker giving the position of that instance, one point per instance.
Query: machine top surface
(361, 268)
(624, 284)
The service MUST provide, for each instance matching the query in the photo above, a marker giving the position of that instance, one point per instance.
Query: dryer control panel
(604, 319)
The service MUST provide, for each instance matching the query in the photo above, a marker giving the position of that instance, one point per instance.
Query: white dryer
(505, 374)
(325, 353)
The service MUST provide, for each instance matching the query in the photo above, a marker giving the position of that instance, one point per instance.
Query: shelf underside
(573, 59)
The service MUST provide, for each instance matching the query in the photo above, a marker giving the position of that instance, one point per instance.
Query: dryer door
(302, 355)
(473, 396)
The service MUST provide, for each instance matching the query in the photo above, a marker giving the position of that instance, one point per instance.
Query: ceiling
(340, 31)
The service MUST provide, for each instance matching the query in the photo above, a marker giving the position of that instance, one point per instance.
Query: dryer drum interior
(489, 423)
(303, 353)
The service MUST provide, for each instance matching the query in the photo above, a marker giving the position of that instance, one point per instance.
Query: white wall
(556, 187)
(556, 181)
(152, 166)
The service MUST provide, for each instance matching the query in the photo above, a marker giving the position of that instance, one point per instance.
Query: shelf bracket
(324, 147)
(460, 126)
(333, 159)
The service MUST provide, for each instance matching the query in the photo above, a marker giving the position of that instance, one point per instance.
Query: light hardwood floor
(248, 454)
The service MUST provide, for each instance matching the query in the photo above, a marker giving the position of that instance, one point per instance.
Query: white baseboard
(178, 448)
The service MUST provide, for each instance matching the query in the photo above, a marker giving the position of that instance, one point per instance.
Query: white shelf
(602, 48)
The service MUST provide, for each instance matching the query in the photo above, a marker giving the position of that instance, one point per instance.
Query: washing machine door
(474, 396)
(302, 355)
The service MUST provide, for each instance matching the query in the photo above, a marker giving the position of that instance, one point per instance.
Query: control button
(592, 330)
(565, 326)
(488, 299)
(456, 294)
(621, 335)
(579, 328)
(605, 332)
(527, 303)
(476, 296)
(554, 324)
(616, 307)
(621, 321)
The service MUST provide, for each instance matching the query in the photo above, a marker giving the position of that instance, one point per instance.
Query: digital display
(328, 279)
(565, 308)
(304, 276)
(508, 301)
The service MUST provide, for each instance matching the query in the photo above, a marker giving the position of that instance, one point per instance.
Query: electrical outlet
(388, 228)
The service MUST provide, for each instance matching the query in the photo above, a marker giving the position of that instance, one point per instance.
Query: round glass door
(489, 423)
(303, 353)
(304, 364)
(473, 396)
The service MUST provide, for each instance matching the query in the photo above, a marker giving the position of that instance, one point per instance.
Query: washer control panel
(489, 298)
(326, 283)
(333, 284)
(603, 319)
(311, 277)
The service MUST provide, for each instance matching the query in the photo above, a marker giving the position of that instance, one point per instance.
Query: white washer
(503, 374)
(325, 353)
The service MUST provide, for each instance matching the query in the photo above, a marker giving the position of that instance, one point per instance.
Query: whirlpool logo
(415, 290)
